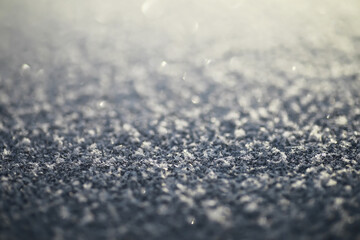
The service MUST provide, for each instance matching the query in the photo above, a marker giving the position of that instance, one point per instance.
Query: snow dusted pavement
(180, 119)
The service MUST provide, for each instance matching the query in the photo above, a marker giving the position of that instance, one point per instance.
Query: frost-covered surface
(179, 120)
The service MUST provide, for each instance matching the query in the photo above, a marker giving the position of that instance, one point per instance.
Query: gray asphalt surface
(180, 120)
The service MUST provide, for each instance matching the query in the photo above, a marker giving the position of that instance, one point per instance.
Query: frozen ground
(180, 119)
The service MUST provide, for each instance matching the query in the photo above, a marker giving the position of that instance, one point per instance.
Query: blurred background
(176, 50)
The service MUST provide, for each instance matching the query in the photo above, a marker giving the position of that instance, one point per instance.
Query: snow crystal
(219, 214)
(26, 141)
(180, 124)
(331, 183)
(251, 207)
(163, 64)
(315, 133)
(87, 186)
(25, 67)
(299, 184)
(6, 152)
(240, 133)
(146, 145)
(341, 120)
(195, 99)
